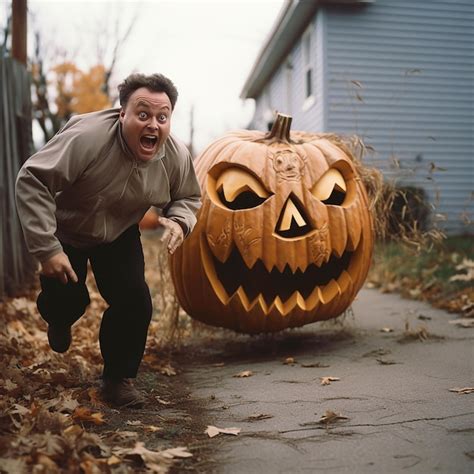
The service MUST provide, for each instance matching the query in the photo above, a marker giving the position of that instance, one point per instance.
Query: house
(398, 73)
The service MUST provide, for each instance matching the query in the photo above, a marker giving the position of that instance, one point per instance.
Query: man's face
(146, 122)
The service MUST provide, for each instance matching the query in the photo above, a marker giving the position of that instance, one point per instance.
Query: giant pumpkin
(284, 236)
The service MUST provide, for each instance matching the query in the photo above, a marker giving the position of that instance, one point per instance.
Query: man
(80, 199)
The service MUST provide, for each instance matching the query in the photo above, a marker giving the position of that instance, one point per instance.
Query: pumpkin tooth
(285, 307)
(337, 252)
(313, 300)
(344, 281)
(338, 234)
(329, 292)
(248, 305)
(243, 298)
(278, 304)
(269, 266)
(354, 228)
(261, 301)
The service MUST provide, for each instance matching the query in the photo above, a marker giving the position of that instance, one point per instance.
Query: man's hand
(173, 235)
(59, 266)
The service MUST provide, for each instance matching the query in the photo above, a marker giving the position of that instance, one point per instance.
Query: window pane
(309, 85)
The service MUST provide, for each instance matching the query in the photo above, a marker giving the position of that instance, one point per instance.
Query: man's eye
(142, 115)
(162, 118)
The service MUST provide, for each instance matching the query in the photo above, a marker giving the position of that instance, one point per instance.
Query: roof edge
(294, 17)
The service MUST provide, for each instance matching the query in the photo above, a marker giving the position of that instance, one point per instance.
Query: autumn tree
(61, 88)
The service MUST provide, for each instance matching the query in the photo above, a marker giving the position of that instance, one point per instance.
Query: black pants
(119, 271)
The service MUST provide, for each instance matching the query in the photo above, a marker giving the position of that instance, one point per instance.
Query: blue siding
(400, 74)
(313, 117)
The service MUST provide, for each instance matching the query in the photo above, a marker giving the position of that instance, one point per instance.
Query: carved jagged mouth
(283, 289)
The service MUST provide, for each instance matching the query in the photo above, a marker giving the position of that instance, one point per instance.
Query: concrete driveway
(396, 362)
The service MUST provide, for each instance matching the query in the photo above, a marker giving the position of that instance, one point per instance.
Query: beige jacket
(84, 187)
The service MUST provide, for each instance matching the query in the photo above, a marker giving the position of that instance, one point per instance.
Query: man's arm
(185, 201)
(54, 168)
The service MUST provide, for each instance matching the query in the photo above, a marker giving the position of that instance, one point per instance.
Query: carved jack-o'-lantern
(284, 236)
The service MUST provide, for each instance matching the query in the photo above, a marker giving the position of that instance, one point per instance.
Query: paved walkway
(393, 387)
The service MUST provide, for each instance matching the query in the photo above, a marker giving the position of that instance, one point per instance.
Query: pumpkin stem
(281, 128)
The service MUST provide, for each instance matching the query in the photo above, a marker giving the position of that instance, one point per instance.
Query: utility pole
(19, 30)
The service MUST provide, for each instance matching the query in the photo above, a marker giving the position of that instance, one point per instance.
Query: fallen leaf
(67, 404)
(151, 428)
(244, 373)
(328, 380)
(386, 361)
(259, 416)
(19, 410)
(315, 364)
(114, 460)
(462, 391)
(163, 402)
(212, 431)
(154, 460)
(118, 437)
(85, 414)
(13, 465)
(466, 265)
(167, 370)
(424, 318)
(46, 464)
(331, 417)
(377, 352)
(95, 397)
(420, 333)
(179, 452)
(9, 385)
(463, 322)
(289, 361)
(133, 423)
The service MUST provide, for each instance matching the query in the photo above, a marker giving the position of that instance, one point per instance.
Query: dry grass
(384, 196)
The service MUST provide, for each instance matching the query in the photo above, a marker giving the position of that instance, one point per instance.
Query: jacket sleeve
(185, 193)
(49, 171)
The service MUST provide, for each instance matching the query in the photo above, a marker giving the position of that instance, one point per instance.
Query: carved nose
(292, 221)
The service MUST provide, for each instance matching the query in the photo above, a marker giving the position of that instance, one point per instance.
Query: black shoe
(122, 393)
(59, 338)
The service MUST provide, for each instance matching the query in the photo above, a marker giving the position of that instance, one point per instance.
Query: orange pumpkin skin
(271, 249)
(150, 220)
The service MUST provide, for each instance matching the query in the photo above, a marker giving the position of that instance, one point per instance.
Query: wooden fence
(17, 267)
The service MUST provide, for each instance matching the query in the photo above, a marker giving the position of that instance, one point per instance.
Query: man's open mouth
(283, 289)
(148, 141)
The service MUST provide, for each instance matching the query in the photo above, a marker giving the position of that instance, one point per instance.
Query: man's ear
(122, 115)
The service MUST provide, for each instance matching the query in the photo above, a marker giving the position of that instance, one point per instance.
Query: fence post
(19, 30)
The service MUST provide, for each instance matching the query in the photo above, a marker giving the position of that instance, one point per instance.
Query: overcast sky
(206, 47)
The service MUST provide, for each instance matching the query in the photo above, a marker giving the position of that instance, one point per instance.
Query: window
(289, 85)
(308, 76)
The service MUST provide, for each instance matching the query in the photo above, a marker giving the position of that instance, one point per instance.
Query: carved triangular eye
(238, 189)
(331, 188)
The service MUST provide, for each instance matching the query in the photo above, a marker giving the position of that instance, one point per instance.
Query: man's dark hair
(154, 83)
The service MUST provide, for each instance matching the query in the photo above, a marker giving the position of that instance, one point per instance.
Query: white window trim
(307, 65)
(308, 103)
